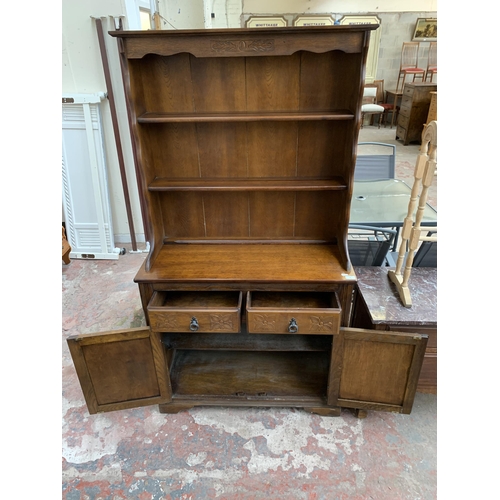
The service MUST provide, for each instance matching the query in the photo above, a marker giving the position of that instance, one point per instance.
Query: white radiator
(85, 192)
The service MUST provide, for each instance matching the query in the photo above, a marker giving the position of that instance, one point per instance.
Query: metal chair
(368, 245)
(432, 68)
(426, 255)
(379, 163)
(409, 63)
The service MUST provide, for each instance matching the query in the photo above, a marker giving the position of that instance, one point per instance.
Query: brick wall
(398, 27)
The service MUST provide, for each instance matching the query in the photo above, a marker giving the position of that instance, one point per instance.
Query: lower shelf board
(250, 375)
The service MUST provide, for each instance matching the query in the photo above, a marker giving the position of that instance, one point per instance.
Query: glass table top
(384, 203)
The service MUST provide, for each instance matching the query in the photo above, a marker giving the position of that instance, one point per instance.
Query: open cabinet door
(379, 369)
(121, 369)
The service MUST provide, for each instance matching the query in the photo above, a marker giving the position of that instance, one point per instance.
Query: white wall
(233, 13)
(336, 6)
(82, 70)
(182, 14)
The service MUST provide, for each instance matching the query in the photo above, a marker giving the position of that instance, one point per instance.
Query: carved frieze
(243, 46)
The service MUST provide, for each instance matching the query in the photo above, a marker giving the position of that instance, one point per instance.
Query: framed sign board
(372, 59)
(313, 21)
(266, 22)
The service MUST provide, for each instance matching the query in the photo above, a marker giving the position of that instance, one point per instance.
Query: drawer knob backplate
(293, 327)
(193, 326)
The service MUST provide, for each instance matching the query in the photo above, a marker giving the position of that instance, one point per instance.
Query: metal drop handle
(193, 326)
(293, 327)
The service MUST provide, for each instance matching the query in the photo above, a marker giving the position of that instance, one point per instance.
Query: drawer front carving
(293, 322)
(202, 312)
(195, 321)
(312, 313)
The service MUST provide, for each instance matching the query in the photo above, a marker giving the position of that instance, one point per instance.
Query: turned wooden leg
(325, 412)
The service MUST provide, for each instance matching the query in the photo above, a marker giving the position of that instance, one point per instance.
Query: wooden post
(411, 234)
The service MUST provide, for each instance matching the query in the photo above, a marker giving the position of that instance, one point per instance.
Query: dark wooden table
(377, 306)
(393, 97)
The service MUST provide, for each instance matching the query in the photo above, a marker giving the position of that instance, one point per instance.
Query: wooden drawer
(408, 91)
(293, 312)
(406, 104)
(201, 312)
(401, 132)
(403, 121)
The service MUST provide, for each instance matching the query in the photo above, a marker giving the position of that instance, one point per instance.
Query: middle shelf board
(239, 184)
(342, 114)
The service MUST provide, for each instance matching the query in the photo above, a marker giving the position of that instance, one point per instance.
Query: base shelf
(248, 374)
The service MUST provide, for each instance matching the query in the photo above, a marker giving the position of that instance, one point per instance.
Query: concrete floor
(227, 453)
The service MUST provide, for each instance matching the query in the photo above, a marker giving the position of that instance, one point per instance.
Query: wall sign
(313, 21)
(266, 22)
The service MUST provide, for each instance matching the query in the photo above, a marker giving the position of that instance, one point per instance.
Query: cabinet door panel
(121, 369)
(380, 370)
